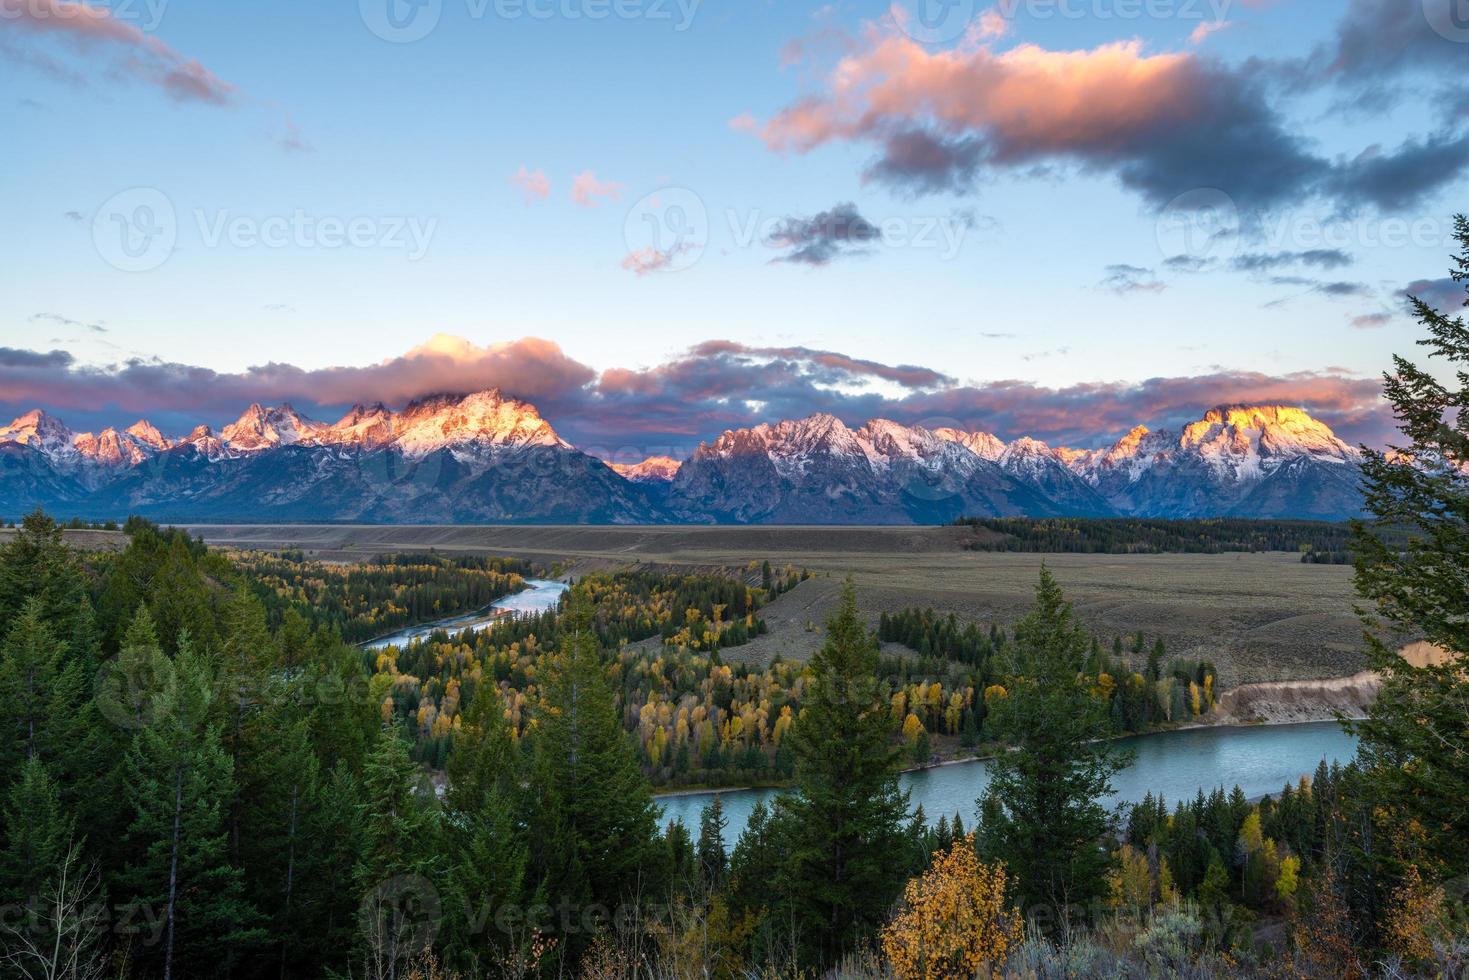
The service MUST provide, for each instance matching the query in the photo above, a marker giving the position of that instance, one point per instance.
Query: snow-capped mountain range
(490, 458)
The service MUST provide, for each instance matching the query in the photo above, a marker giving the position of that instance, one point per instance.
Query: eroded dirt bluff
(1282, 702)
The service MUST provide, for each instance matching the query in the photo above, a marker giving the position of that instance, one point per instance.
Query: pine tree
(1414, 745)
(30, 661)
(1045, 819)
(712, 859)
(398, 860)
(593, 809)
(844, 822)
(482, 802)
(279, 799)
(37, 833)
(37, 565)
(180, 782)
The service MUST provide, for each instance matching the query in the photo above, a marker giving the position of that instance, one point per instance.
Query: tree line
(1157, 536)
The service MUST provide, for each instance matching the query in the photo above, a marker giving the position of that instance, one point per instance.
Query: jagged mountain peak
(1026, 446)
(821, 433)
(982, 444)
(482, 418)
(113, 449)
(1270, 430)
(367, 426)
(147, 433)
(654, 469)
(260, 428)
(41, 431)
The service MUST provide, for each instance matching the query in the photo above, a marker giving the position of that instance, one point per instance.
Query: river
(1259, 759)
(538, 595)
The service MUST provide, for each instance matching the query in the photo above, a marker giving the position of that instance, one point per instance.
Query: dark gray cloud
(1321, 258)
(1444, 295)
(1335, 289)
(11, 357)
(1187, 263)
(1400, 179)
(832, 234)
(1341, 288)
(1379, 41)
(917, 161)
(1371, 321)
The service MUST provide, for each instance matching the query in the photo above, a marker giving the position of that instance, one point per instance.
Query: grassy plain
(1259, 617)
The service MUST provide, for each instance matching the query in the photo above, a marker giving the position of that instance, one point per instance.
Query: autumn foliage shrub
(954, 921)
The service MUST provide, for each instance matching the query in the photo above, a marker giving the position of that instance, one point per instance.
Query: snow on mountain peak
(112, 448)
(266, 428)
(203, 440)
(484, 418)
(982, 444)
(40, 431)
(1254, 438)
(654, 469)
(1031, 458)
(148, 434)
(368, 426)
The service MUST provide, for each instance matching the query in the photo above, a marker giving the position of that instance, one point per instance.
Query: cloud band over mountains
(670, 407)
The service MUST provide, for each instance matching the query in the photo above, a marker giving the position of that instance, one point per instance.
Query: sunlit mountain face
(488, 457)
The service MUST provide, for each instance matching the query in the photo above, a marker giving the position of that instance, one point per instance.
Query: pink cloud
(1029, 99)
(1163, 123)
(1206, 29)
(649, 259)
(990, 24)
(589, 192)
(532, 183)
(142, 56)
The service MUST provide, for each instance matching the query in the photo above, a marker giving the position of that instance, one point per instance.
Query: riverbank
(1219, 721)
(538, 596)
(1260, 759)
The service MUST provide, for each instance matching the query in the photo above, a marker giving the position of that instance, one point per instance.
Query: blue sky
(1054, 275)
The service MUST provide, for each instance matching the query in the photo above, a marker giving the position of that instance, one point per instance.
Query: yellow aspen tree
(954, 921)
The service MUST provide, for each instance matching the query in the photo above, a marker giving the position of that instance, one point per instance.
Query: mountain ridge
(488, 457)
